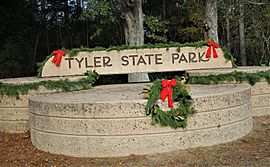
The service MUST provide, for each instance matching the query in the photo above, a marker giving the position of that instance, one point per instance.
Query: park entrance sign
(137, 60)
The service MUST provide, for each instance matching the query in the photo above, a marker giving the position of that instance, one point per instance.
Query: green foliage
(97, 10)
(60, 85)
(176, 117)
(30, 30)
(198, 44)
(251, 78)
(184, 18)
(229, 56)
(99, 13)
(156, 29)
(17, 37)
(257, 25)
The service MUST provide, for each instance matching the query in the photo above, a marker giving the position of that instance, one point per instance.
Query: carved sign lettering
(136, 60)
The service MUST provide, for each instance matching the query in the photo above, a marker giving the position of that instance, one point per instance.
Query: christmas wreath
(176, 90)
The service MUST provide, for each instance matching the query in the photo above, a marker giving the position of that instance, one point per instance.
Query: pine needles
(176, 117)
(60, 85)
(238, 76)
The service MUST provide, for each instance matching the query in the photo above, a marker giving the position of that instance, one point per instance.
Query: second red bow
(212, 46)
(167, 91)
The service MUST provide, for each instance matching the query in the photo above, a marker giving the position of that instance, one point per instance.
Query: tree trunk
(36, 49)
(164, 9)
(242, 34)
(87, 34)
(212, 19)
(47, 41)
(60, 34)
(134, 33)
(228, 33)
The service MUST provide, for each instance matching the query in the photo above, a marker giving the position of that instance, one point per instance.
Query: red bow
(58, 57)
(167, 90)
(214, 46)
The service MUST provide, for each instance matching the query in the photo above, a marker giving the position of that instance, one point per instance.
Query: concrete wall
(260, 92)
(14, 114)
(110, 121)
(260, 98)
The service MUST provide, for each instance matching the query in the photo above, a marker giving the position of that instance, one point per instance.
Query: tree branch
(254, 3)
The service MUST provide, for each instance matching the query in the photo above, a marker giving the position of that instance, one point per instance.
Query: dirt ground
(252, 150)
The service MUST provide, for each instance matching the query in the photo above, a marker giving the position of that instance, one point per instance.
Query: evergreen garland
(86, 83)
(238, 76)
(228, 56)
(176, 117)
(60, 85)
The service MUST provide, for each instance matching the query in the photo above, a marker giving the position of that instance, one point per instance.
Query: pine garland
(67, 85)
(176, 117)
(238, 76)
(228, 56)
(60, 85)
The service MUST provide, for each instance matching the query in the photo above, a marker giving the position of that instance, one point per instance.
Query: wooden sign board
(136, 60)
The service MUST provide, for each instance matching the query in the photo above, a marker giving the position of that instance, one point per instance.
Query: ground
(252, 150)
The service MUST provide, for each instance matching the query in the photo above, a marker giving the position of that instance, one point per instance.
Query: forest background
(31, 29)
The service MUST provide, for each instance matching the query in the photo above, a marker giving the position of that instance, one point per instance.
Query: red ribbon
(167, 90)
(58, 57)
(214, 46)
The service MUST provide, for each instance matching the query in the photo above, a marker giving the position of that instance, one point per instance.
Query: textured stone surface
(247, 69)
(260, 92)
(260, 88)
(260, 97)
(14, 126)
(11, 101)
(261, 100)
(136, 60)
(110, 121)
(111, 146)
(13, 114)
(261, 111)
(135, 125)
(108, 101)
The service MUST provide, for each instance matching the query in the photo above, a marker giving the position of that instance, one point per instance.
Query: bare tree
(134, 33)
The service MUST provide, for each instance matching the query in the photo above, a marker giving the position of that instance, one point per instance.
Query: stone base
(260, 92)
(18, 122)
(14, 113)
(110, 121)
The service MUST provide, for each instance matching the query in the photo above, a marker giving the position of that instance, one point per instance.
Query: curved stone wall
(260, 92)
(260, 98)
(110, 121)
(14, 113)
